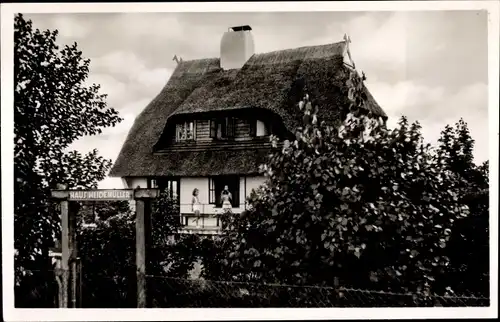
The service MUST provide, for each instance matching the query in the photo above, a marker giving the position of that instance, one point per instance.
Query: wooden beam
(148, 239)
(146, 193)
(73, 249)
(60, 194)
(140, 253)
(65, 254)
(106, 194)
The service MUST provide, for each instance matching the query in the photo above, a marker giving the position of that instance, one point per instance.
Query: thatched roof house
(268, 84)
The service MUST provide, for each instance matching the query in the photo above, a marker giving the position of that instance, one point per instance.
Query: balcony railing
(200, 225)
(207, 221)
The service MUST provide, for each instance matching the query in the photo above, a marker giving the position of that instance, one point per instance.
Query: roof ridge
(197, 60)
(299, 48)
(265, 53)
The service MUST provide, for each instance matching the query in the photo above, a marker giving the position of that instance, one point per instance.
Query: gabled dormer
(236, 129)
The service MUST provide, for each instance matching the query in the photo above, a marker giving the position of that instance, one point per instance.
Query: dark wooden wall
(242, 138)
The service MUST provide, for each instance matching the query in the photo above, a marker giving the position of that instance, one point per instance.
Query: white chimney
(236, 47)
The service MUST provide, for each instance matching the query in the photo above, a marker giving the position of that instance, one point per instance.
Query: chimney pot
(241, 28)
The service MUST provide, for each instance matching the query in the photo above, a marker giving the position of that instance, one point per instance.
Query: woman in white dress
(196, 206)
(226, 199)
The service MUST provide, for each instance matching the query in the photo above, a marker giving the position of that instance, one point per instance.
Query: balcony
(207, 223)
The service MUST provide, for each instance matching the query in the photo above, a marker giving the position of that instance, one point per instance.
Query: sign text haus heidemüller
(112, 194)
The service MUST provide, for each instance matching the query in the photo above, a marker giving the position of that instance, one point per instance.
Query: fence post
(66, 252)
(73, 248)
(143, 232)
(80, 283)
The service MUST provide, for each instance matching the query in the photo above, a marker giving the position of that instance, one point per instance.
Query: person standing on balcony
(196, 206)
(226, 199)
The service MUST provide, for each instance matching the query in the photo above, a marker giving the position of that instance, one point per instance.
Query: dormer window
(222, 129)
(185, 131)
(258, 128)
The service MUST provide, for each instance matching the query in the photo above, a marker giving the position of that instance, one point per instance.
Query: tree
(52, 108)
(360, 205)
(469, 244)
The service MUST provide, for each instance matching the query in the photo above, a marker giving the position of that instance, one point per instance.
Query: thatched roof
(274, 81)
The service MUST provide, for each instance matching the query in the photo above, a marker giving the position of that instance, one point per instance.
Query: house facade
(208, 129)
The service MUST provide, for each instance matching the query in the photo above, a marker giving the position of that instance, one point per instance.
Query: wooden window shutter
(222, 126)
(178, 132)
(211, 191)
(192, 130)
(253, 127)
(230, 127)
(213, 128)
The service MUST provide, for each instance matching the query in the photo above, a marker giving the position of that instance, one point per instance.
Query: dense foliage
(469, 243)
(361, 206)
(52, 108)
(95, 211)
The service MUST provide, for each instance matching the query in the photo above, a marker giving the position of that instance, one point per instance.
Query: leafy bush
(359, 206)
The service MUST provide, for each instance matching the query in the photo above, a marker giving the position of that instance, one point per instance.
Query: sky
(429, 66)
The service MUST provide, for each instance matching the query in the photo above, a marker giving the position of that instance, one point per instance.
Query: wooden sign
(68, 232)
(94, 195)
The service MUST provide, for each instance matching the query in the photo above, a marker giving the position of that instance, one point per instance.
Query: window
(217, 184)
(259, 128)
(185, 131)
(172, 185)
(222, 128)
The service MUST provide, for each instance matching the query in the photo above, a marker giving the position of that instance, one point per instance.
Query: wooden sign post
(68, 238)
